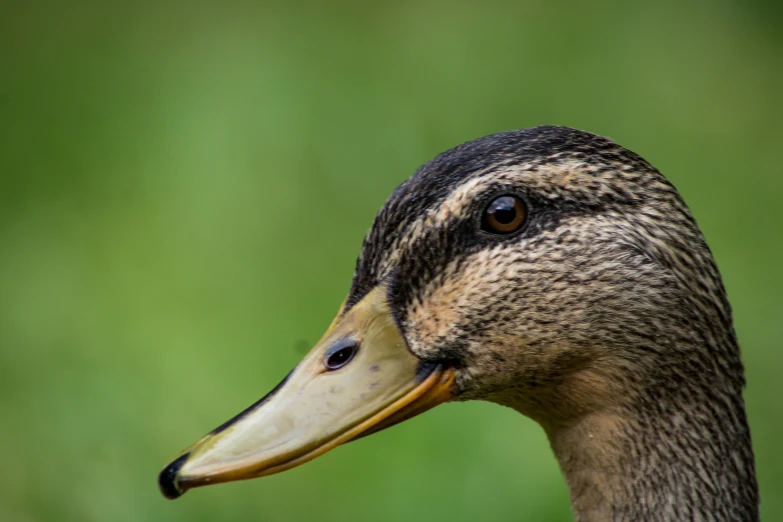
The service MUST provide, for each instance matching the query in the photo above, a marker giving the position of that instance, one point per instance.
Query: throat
(592, 454)
(665, 467)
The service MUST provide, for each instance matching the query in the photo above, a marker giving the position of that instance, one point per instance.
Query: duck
(549, 270)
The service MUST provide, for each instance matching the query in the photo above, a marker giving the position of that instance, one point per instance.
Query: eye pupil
(341, 357)
(504, 215)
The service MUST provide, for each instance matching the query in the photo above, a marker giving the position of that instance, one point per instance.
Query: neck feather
(671, 464)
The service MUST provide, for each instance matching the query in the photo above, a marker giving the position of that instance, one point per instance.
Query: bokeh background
(184, 188)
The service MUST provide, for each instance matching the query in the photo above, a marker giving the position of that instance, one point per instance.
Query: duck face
(538, 269)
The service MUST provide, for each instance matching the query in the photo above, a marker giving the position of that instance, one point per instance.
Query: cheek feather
(457, 306)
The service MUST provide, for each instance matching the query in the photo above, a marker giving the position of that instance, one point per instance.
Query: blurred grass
(184, 189)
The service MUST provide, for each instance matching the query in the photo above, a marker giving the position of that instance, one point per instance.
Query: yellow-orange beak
(358, 379)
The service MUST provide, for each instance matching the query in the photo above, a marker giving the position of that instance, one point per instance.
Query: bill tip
(167, 480)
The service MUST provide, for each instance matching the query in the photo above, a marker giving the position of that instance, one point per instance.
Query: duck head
(549, 270)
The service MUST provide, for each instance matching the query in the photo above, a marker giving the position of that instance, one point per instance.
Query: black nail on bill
(167, 480)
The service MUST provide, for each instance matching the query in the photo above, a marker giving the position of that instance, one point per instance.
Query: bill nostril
(340, 355)
(167, 480)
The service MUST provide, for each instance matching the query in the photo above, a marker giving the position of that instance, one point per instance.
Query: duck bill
(324, 402)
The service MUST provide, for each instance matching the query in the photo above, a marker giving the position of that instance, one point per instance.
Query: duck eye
(340, 357)
(504, 215)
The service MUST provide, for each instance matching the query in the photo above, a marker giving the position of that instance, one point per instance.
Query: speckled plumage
(604, 319)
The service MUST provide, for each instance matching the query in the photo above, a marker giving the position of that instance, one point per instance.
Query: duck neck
(665, 465)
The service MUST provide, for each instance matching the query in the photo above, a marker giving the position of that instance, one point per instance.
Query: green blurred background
(184, 189)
